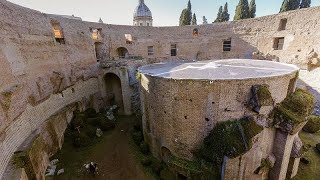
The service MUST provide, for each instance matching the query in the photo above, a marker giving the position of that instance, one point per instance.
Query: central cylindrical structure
(182, 102)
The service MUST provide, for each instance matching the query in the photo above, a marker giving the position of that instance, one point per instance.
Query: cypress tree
(204, 20)
(305, 4)
(219, 15)
(288, 5)
(194, 19)
(186, 15)
(183, 18)
(294, 4)
(285, 6)
(242, 10)
(189, 7)
(225, 13)
(252, 9)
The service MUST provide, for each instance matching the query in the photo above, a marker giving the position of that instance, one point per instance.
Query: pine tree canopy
(288, 5)
(204, 20)
(225, 13)
(219, 15)
(294, 4)
(189, 7)
(194, 19)
(184, 18)
(305, 3)
(242, 10)
(252, 9)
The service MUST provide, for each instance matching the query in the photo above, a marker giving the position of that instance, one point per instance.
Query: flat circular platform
(218, 70)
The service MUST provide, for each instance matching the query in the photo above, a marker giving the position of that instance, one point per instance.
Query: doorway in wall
(114, 91)
(122, 52)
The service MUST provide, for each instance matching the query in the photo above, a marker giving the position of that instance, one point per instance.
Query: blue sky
(165, 12)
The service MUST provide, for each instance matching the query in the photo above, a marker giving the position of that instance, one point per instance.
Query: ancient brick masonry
(182, 103)
(42, 74)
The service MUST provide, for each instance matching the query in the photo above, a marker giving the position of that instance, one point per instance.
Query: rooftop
(218, 70)
(142, 10)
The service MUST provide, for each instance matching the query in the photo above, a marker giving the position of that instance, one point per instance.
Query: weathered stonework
(41, 77)
(181, 105)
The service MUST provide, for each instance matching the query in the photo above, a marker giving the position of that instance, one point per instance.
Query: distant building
(100, 20)
(142, 15)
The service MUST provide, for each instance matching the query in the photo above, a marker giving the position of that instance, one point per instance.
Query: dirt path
(116, 160)
(114, 155)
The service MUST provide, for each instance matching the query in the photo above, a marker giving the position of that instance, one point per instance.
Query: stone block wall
(39, 76)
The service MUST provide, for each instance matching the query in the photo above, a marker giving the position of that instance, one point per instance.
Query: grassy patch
(310, 171)
(231, 138)
(72, 159)
(146, 159)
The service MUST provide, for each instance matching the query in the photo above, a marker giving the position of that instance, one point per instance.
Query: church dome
(142, 10)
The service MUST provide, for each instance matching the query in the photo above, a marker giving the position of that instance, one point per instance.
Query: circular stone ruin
(182, 102)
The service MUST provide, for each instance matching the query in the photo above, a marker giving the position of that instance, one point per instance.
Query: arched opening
(114, 91)
(99, 49)
(195, 32)
(123, 52)
(165, 154)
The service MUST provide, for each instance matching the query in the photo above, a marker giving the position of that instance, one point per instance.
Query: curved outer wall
(179, 114)
(41, 79)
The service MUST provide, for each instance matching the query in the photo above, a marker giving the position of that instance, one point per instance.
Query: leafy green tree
(305, 3)
(194, 19)
(288, 5)
(186, 15)
(285, 6)
(294, 4)
(252, 9)
(219, 15)
(225, 13)
(184, 18)
(189, 7)
(204, 20)
(242, 10)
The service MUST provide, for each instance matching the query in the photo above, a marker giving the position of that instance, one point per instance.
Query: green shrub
(77, 121)
(94, 121)
(166, 174)
(156, 166)
(313, 124)
(230, 138)
(90, 131)
(137, 124)
(102, 123)
(146, 161)
(81, 140)
(137, 137)
(144, 147)
(106, 125)
(91, 113)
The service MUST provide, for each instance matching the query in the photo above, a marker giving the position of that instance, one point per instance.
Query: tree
(189, 7)
(288, 5)
(242, 10)
(294, 4)
(225, 13)
(285, 6)
(219, 15)
(186, 15)
(204, 20)
(305, 4)
(252, 9)
(194, 19)
(184, 18)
